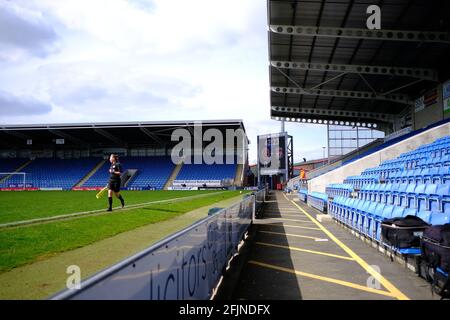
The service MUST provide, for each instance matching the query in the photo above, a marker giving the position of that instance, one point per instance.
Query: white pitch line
(93, 212)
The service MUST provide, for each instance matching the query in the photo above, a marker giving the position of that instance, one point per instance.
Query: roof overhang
(326, 66)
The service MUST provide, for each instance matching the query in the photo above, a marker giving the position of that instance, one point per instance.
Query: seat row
(420, 162)
(366, 216)
(339, 189)
(359, 181)
(303, 194)
(436, 145)
(382, 172)
(434, 162)
(425, 175)
(431, 197)
(318, 200)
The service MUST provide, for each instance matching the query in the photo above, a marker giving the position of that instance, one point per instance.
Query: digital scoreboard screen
(272, 154)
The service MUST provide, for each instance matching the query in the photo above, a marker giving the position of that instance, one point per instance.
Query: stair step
(173, 176)
(90, 173)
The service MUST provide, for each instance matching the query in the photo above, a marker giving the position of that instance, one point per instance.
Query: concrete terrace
(291, 255)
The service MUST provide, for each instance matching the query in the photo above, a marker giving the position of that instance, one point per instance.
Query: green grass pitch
(17, 206)
(25, 244)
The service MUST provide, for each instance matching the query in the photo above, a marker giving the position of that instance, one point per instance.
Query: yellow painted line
(385, 282)
(322, 278)
(283, 215)
(291, 235)
(305, 250)
(287, 219)
(289, 225)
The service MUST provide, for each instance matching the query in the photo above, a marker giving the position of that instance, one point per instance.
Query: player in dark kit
(115, 172)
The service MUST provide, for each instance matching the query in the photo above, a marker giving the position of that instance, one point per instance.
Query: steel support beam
(109, 136)
(17, 134)
(420, 73)
(399, 98)
(334, 121)
(67, 136)
(335, 113)
(355, 33)
(151, 135)
(362, 123)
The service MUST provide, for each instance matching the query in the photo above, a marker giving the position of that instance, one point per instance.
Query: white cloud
(150, 60)
(11, 105)
(24, 31)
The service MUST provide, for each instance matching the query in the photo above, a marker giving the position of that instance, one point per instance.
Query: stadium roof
(326, 65)
(105, 134)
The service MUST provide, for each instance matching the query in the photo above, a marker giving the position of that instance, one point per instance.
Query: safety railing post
(254, 208)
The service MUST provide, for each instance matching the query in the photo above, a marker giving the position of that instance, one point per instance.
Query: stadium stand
(11, 164)
(416, 183)
(153, 172)
(339, 189)
(389, 156)
(99, 178)
(209, 174)
(147, 164)
(54, 173)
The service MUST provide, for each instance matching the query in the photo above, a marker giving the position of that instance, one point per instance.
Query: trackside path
(294, 256)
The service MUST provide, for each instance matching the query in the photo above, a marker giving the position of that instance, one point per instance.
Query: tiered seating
(99, 178)
(359, 181)
(204, 172)
(10, 165)
(55, 173)
(409, 190)
(339, 189)
(303, 194)
(318, 200)
(437, 174)
(153, 172)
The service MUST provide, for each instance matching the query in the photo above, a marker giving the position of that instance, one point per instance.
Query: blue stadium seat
(438, 201)
(152, 172)
(443, 175)
(386, 213)
(439, 218)
(400, 194)
(56, 173)
(417, 184)
(422, 202)
(207, 172)
(369, 218)
(398, 212)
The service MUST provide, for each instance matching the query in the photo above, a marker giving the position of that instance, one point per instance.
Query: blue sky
(137, 60)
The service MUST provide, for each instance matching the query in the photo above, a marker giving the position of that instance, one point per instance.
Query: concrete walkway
(291, 255)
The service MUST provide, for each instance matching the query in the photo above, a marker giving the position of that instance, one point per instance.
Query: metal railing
(185, 265)
(260, 198)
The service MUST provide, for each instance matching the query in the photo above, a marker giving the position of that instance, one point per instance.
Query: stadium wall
(187, 265)
(338, 175)
(434, 112)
